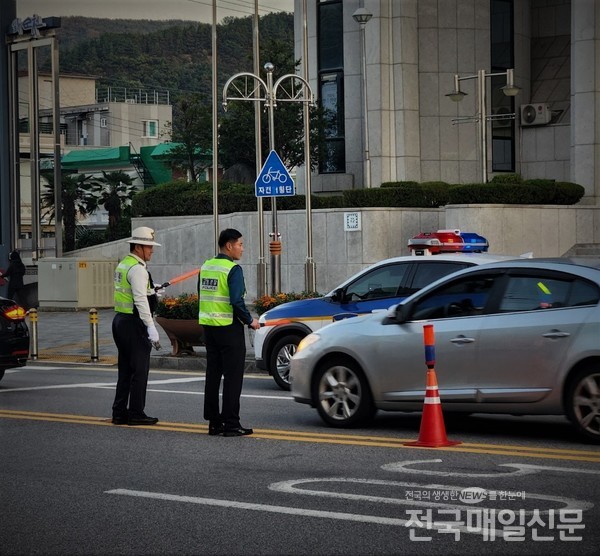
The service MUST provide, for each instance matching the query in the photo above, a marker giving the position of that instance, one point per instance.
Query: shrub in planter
(184, 306)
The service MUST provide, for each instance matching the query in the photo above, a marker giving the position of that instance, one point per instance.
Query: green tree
(113, 191)
(76, 200)
(191, 132)
(237, 144)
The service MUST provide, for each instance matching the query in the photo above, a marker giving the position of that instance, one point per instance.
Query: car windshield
(381, 282)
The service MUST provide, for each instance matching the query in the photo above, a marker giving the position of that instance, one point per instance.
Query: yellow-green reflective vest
(123, 294)
(215, 303)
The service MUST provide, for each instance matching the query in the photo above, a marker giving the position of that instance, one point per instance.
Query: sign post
(274, 181)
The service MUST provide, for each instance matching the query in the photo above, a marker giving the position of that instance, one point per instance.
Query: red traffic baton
(177, 279)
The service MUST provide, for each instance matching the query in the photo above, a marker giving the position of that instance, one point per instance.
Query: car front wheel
(282, 353)
(341, 394)
(583, 402)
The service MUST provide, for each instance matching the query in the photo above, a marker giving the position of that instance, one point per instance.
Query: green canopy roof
(163, 150)
(112, 156)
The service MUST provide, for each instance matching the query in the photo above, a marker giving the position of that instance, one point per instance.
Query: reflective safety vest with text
(215, 307)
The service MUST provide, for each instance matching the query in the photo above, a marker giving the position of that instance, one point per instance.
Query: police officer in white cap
(134, 330)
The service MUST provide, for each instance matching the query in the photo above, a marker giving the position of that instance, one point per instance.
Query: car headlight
(308, 341)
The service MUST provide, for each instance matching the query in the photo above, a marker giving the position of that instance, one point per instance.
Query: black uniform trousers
(131, 337)
(225, 358)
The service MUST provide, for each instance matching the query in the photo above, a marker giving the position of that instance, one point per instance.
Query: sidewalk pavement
(65, 336)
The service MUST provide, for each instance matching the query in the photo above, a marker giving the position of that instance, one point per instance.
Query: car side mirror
(338, 295)
(402, 313)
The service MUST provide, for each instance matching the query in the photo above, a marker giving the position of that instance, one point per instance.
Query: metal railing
(132, 95)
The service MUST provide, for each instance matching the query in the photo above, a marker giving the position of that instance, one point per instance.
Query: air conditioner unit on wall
(535, 114)
(502, 117)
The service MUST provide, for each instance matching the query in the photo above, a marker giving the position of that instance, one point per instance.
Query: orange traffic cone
(432, 433)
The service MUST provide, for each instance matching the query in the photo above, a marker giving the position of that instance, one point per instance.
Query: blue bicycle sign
(274, 180)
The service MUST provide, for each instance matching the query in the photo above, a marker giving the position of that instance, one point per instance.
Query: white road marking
(199, 393)
(539, 468)
(29, 367)
(305, 512)
(263, 396)
(57, 387)
(111, 385)
(290, 487)
(521, 469)
(98, 384)
(259, 507)
(177, 380)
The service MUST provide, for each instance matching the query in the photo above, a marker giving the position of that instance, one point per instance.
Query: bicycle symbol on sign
(274, 175)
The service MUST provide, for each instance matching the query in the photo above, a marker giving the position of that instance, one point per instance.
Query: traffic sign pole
(275, 235)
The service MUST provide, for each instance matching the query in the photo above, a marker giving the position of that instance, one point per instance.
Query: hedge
(181, 198)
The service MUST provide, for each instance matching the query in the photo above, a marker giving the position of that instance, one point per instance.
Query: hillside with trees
(173, 55)
(177, 57)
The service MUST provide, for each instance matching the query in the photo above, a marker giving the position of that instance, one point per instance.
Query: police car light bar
(447, 241)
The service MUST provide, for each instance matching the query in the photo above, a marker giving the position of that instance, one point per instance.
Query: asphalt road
(72, 483)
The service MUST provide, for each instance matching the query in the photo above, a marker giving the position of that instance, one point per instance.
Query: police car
(375, 288)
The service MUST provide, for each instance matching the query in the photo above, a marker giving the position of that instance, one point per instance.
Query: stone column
(585, 97)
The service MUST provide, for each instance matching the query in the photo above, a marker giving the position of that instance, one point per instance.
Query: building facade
(412, 52)
(100, 129)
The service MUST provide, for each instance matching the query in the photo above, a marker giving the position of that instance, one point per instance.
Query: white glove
(152, 333)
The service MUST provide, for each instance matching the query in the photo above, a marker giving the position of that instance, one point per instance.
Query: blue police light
(474, 242)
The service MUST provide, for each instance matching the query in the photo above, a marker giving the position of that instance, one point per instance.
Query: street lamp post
(310, 274)
(251, 87)
(510, 90)
(261, 267)
(362, 17)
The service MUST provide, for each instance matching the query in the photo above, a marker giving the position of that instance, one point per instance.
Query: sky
(195, 10)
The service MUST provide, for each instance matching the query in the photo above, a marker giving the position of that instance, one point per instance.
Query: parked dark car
(14, 336)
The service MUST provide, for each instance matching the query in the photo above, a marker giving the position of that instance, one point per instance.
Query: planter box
(183, 333)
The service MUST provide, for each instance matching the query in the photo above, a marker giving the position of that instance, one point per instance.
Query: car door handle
(556, 334)
(462, 340)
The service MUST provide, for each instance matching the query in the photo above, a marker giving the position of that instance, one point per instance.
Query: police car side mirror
(338, 295)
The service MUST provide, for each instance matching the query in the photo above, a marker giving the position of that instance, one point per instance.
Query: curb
(191, 363)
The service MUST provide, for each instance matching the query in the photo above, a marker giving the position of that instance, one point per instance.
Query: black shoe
(240, 431)
(143, 420)
(120, 420)
(214, 429)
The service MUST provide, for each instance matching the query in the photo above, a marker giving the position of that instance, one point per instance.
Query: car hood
(314, 307)
(337, 328)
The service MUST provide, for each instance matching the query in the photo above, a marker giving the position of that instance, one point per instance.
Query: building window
(150, 128)
(330, 34)
(103, 122)
(502, 48)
